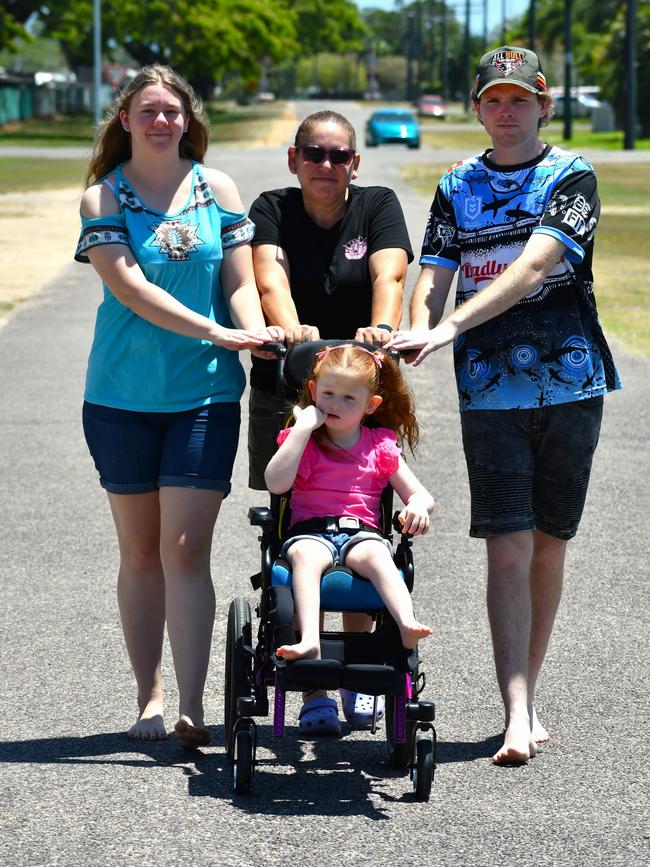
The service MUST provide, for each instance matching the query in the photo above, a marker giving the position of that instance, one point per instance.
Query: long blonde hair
(112, 144)
(380, 375)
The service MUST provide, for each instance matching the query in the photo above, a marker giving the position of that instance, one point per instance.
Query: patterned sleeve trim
(241, 232)
(574, 252)
(440, 261)
(96, 235)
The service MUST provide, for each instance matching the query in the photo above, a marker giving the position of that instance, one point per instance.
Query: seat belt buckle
(349, 523)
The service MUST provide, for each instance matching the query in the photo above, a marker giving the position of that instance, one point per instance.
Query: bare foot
(411, 633)
(540, 735)
(191, 736)
(302, 650)
(518, 745)
(150, 725)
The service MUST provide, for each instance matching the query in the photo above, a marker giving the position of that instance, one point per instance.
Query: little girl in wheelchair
(337, 467)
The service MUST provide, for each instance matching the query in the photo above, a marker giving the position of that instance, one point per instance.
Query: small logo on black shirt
(356, 249)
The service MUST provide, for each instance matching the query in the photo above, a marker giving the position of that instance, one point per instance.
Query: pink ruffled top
(350, 485)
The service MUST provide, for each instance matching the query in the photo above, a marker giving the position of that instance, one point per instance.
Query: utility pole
(466, 59)
(432, 49)
(410, 51)
(568, 64)
(443, 53)
(532, 34)
(417, 52)
(485, 24)
(97, 60)
(630, 76)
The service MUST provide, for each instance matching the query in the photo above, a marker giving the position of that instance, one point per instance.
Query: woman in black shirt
(330, 261)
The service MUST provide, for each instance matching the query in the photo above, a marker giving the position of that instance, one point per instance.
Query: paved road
(74, 791)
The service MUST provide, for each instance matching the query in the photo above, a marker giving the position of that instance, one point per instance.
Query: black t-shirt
(328, 268)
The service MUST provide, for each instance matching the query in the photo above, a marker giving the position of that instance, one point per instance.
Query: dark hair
(112, 144)
(308, 125)
(381, 375)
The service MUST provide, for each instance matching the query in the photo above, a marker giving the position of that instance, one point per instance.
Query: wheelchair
(374, 663)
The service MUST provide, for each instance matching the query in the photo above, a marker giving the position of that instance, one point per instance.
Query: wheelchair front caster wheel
(424, 767)
(242, 770)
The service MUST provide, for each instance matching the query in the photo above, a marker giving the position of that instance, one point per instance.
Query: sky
(513, 8)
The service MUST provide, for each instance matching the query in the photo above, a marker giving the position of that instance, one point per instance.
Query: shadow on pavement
(293, 776)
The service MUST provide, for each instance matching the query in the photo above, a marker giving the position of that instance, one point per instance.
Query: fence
(21, 100)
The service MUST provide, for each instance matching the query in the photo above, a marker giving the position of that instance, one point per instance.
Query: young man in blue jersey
(532, 365)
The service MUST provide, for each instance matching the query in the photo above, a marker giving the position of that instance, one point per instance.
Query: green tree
(598, 33)
(14, 14)
(203, 39)
(31, 55)
(391, 75)
(385, 31)
(331, 73)
(327, 25)
(206, 39)
(434, 43)
(609, 58)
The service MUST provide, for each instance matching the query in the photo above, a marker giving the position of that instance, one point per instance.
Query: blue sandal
(319, 717)
(358, 706)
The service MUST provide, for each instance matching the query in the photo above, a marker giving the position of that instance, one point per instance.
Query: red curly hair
(381, 375)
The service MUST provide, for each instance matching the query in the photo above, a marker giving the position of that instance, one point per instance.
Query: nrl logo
(506, 62)
(473, 207)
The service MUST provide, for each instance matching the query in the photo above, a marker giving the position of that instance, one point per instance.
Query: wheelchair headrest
(298, 360)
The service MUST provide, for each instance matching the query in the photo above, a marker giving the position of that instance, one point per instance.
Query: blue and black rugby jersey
(549, 348)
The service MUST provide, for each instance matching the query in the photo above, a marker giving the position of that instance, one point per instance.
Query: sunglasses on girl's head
(336, 156)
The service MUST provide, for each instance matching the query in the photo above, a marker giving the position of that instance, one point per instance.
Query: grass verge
(233, 123)
(57, 131)
(228, 122)
(620, 268)
(22, 175)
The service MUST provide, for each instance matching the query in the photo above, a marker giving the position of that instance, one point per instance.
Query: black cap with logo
(508, 65)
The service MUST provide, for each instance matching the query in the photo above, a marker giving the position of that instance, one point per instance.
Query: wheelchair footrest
(373, 679)
(306, 674)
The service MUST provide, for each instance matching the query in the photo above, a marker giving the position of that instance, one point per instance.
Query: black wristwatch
(385, 326)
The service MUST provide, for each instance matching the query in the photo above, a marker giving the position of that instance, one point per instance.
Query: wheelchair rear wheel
(239, 665)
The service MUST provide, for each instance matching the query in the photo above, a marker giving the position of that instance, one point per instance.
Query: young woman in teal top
(171, 242)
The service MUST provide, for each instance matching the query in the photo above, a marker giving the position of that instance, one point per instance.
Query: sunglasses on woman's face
(336, 156)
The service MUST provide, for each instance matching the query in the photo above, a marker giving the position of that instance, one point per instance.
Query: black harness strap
(331, 524)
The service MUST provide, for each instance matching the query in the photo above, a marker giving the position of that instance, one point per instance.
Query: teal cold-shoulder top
(135, 364)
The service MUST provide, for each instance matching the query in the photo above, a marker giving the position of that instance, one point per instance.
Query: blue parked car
(392, 125)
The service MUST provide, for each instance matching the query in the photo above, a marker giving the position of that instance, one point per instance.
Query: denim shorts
(139, 452)
(529, 468)
(338, 544)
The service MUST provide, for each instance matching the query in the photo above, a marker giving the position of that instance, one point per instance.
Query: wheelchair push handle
(278, 349)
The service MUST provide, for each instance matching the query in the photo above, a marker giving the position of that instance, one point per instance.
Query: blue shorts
(338, 544)
(529, 468)
(139, 452)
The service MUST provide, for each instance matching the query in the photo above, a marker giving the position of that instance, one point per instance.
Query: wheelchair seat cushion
(340, 589)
